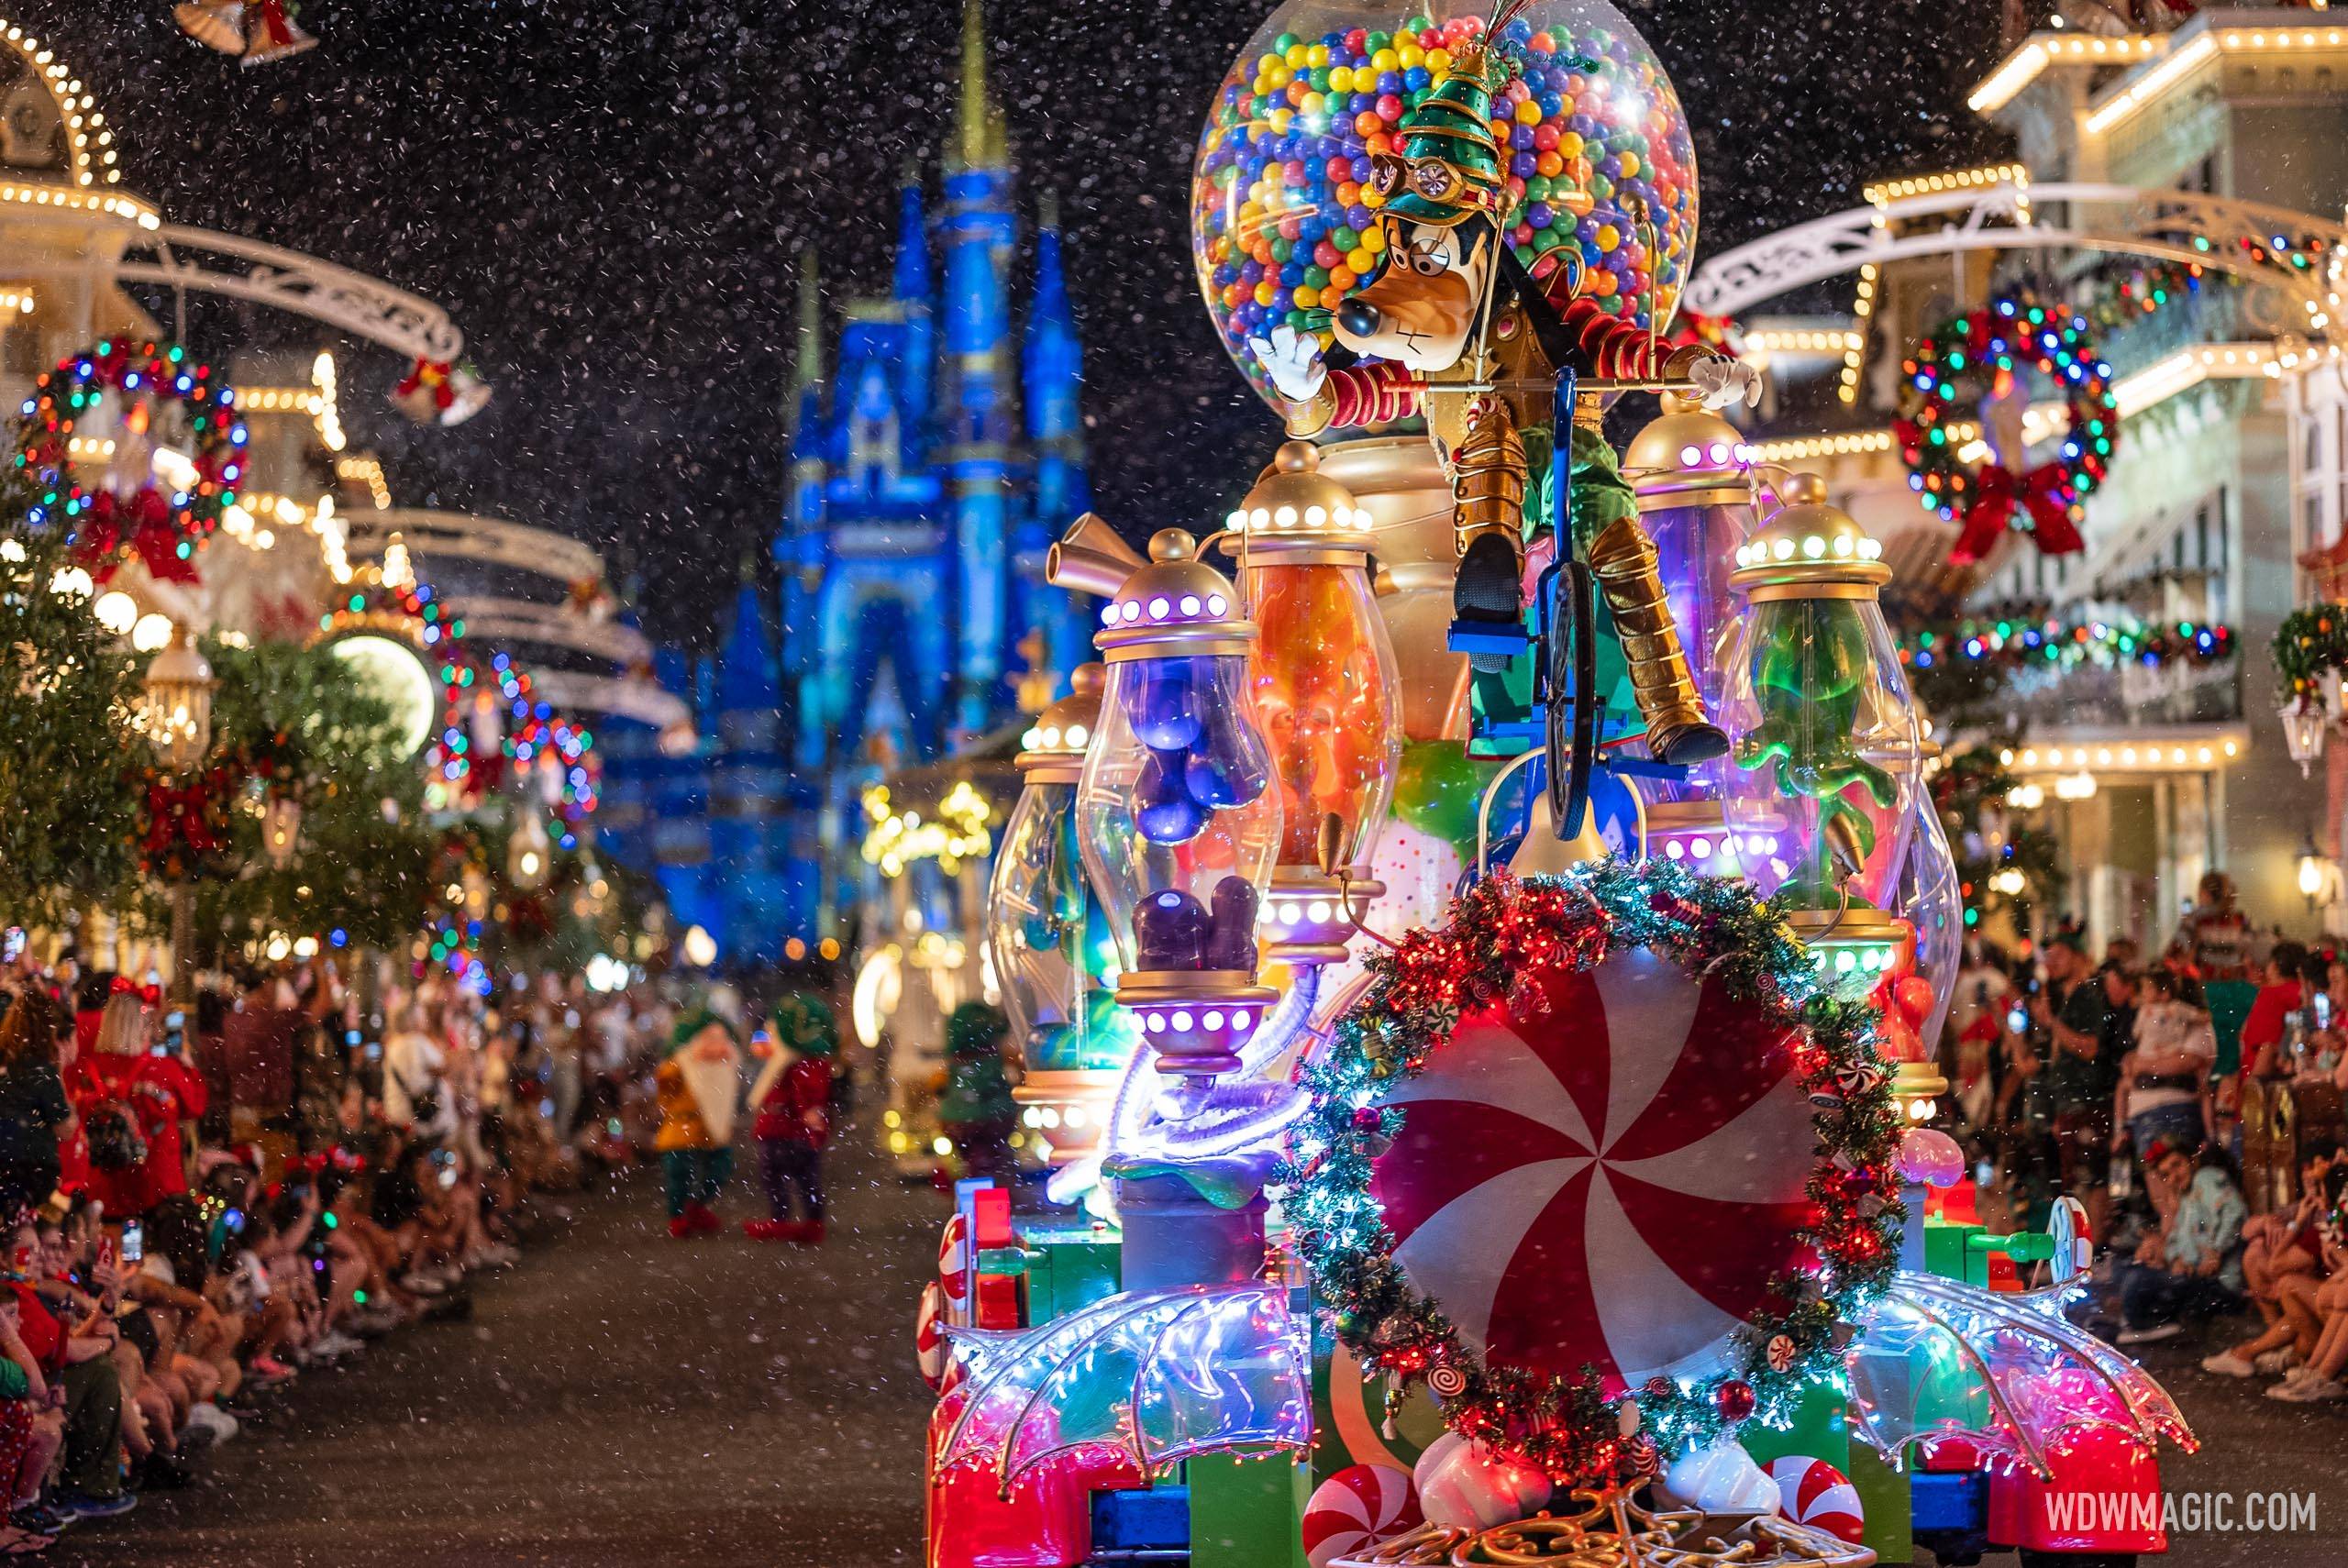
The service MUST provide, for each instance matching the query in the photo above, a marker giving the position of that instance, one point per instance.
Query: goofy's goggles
(1439, 179)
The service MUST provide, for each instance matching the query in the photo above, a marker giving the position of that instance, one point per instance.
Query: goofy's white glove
(1293, 362)
(1718, 382)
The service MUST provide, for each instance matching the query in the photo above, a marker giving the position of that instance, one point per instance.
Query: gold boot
(1622, 558)
(1488, 516)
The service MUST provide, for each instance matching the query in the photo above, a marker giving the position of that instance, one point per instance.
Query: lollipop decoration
(1177, 818)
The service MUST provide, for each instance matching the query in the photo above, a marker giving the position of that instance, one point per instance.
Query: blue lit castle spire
(935, 450)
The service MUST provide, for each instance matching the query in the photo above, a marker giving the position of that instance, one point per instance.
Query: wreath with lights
(1500, 933)
(1976, 356)
(161, 525)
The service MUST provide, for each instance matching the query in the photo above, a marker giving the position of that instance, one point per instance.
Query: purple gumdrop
(1224, 769)
(1171, 931)
(1231, 944)
(1163, 703)
(1164, 808)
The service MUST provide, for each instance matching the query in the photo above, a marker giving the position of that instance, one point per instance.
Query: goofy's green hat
(1446, 167)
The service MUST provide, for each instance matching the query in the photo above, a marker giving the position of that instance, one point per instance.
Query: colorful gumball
(1357, 1509)
(1436, 788)
(1812, 1492)
(931, 1350)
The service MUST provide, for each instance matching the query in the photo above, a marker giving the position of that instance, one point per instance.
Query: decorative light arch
(88, 146)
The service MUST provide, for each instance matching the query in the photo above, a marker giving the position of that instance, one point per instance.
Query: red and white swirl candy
(931, 1349)
(1812, 1492)
(1355, 1509)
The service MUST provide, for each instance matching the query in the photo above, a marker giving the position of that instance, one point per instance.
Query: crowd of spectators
(208, 1201)
(2121, 1081)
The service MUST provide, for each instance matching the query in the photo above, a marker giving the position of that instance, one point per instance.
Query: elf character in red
(793, 1100)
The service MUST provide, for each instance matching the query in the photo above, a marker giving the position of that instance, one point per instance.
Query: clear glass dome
(1323, 675)
(1050, 940)
(1826, 741)
(1176, 811)
(1932, 901)
(1596, 149)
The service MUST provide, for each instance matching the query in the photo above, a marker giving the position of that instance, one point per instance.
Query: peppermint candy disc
(954, 1264)
(1447, 1383)
(1355, 1509)
(931, 1350)
(1812, 1492)
(1607, 1168)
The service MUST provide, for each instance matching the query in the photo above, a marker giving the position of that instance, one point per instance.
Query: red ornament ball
(1734, 1399)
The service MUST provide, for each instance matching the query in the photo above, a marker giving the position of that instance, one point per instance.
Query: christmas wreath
(1763, 1036)
(1972, 363)
(164, 520)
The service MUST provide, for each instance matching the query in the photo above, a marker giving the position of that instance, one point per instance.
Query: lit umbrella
(1154, 1377)
(1936, 1360)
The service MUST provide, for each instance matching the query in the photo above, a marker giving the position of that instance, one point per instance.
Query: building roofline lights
(2040, 50)
(2265, 32)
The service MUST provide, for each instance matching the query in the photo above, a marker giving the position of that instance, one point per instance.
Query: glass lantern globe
(1600, 168)
(1931, 899)
(1326, 694)
(1050, 938)
(1178, 817)
(1692, 472)
(1827, 746)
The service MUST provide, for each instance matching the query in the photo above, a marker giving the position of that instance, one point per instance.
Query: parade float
(1528, 917)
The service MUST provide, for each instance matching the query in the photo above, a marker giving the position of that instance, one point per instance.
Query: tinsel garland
(1499, 934)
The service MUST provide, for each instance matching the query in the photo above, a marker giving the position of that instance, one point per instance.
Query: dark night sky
(607, 193)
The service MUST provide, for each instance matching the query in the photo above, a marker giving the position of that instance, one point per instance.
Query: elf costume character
(792, 1100)
(696, 1088)
(977, 1109)
(1455, 329)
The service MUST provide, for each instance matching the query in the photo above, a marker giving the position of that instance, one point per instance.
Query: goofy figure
(1456, 328)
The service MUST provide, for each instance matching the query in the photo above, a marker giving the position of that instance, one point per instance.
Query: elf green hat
(692, 1024)
(1445, 168)
(804, 1024)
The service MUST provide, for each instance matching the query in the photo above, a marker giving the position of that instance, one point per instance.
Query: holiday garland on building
(1975, 357)
(1498, 933)
(2036, 641)
(2005, 863)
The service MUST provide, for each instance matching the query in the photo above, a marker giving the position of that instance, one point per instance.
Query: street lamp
(280, 829)
(530, 856)
(180, 684)
(179, 702)
(2303, 725)
(2318, 874)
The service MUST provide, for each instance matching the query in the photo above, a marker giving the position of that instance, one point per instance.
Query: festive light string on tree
(1502, 933)
(1980, 355)
(2005, 862)
(162, 524)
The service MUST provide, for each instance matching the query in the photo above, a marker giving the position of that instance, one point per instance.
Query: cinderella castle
(935, 453)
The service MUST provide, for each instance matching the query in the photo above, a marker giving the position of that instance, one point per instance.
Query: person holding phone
(135, 1091)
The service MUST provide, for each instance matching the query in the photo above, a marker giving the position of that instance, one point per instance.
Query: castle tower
(1052, 380)
(913, 291)
(980, 419)
(798, 548)
(749, 787)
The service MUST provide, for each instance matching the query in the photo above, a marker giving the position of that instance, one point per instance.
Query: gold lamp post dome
(1809, 549)
(1295, 508)
(1052, 750)
(1688, 456)
(1175, 605)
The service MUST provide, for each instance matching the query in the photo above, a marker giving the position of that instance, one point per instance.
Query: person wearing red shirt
(2279, 995)
(794, 1098)
(159, 1089)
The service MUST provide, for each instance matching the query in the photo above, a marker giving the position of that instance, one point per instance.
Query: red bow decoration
(143, 525)
(180, 815)
(1997, 492)
(120, 986)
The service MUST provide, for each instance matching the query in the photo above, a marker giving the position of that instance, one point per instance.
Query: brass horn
(1091, 558)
